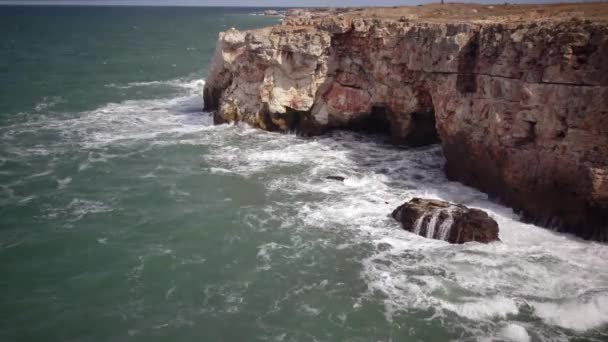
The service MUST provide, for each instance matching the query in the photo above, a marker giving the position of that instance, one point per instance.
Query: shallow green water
(125, 215)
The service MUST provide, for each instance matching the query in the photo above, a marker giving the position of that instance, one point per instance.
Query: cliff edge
(516, 95)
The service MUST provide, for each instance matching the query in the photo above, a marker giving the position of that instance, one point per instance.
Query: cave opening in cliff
(380, 120)
(423, 129)
(375, 122)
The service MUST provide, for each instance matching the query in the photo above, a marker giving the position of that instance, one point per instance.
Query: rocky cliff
(519, 105)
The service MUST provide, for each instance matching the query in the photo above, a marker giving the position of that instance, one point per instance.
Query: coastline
(504, 87)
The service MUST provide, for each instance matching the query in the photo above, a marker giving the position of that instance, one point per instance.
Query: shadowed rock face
(445, 221)
(521, 109)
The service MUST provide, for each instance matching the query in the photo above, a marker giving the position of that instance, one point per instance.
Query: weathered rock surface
(445, 221)
(520, 107)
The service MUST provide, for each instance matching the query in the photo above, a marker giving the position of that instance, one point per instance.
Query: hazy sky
(285, 3)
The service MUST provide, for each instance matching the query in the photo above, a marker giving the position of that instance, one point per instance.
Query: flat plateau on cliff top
(478, 12)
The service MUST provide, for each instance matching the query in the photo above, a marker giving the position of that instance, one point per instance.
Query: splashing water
(446, 225)
(435, 228)
(430, 228)
(418, 225)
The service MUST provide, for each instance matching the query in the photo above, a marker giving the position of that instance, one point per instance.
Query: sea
(126, 215)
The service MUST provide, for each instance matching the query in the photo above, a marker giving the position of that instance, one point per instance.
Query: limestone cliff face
(521, 109)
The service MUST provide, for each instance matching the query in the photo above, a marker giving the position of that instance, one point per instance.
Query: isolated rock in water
(336, 178)
(441, 220)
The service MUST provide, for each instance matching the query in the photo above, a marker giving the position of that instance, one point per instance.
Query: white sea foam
(264, 255)
(586, 312)
(475, 281)
(78, 208)
(478, 309)
(219, 170)
(122, 123)
(230, 295)
(63, 183)
(514, 333)
(48, 102)
(40, 174)
(309, 310)
(27, 199)
(179, 83)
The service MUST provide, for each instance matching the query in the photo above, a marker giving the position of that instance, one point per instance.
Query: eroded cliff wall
(521, 108)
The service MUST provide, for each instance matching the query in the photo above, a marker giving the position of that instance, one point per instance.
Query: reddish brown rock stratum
(518, 94)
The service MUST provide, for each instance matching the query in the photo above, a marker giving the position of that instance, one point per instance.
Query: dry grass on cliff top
(474, 12)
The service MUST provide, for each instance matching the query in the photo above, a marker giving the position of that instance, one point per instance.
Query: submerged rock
(442, 220)
(336, 178)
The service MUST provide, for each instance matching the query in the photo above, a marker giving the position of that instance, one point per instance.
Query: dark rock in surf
(336, 178)
(442, 220)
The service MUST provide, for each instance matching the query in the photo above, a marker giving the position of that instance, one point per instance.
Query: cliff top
(455, 12)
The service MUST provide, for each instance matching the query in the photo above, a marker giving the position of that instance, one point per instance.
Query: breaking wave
(115, 123)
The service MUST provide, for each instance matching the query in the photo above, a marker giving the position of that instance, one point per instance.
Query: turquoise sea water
(126, 216)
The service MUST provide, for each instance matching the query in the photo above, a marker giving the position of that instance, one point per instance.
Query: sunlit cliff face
(500, 97)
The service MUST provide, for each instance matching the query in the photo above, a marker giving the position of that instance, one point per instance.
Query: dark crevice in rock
(466, 81)
(213, 95)
(529, 137)
(211, 98)
(563, 130)
(376, 122)
(336, 178)
(300, 122)
(293, 119)
(417, 128)
(265, 119)
(218, 119)
(423, 130)
(348, 85)
(512, 78)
